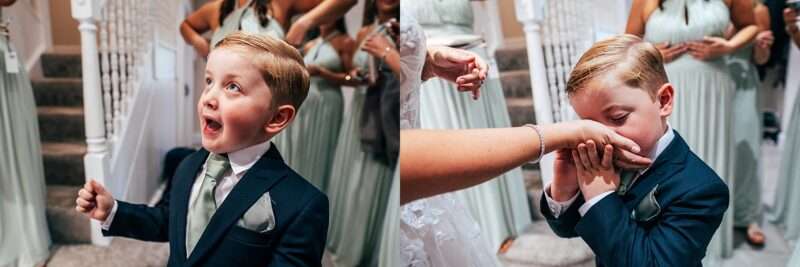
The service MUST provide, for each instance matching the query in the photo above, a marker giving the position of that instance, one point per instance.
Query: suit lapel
(666, 165)
(268, 171)
(180, 201)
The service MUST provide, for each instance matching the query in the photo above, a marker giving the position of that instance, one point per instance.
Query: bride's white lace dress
(435, 231)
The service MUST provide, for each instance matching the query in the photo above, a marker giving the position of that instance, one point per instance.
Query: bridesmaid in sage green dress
(785, 211)
(704, 89)
(747, 211)
(500, 205)
(360, 184)
(24, 236)
(327, 58)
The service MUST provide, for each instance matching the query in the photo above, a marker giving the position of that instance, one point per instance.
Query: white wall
(30, 31)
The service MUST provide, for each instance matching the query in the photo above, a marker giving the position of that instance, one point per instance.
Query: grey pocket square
(648, 208)
(259, 218)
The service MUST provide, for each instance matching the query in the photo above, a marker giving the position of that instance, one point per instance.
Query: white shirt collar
(662, 143)
(241, 160)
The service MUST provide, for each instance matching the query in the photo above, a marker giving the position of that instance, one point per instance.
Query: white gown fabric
(435, 231)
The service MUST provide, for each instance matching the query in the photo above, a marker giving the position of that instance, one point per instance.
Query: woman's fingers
(622, 142)
(629, 160)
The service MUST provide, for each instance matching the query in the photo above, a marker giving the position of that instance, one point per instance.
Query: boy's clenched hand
(94, 201)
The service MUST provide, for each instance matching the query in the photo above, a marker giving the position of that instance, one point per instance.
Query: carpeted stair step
(61, 65)
(520, 110)
(516, 83)
(512, 57)
(58, 92)
(60, 123)
(63, 163)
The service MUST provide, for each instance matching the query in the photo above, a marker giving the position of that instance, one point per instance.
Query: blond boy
(235, 202)
(664, 215)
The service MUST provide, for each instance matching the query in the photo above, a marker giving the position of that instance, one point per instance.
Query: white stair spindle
(531, 14)
(123, 52)
(96, 161)
(104, 72)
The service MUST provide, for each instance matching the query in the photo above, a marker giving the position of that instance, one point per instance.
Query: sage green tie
(204, 206)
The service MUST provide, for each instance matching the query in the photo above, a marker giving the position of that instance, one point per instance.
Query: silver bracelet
(541, 141)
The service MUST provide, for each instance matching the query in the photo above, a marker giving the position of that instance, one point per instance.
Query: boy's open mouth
(211, 126)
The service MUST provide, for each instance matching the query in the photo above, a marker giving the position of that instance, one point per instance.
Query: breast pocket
(648, 208)
(249, 238)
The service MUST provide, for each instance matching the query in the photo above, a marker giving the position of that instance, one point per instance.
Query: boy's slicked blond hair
(638, 64)
(281, 65)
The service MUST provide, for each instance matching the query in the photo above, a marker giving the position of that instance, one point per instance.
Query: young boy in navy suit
(234, 202)
(664, 215)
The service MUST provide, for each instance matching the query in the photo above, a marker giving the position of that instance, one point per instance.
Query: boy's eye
(620, 118)
(232, 87)
(208, 81)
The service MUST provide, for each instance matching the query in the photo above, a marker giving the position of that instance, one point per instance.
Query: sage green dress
(785, 211)
(323, 116)
(24, 236)
(747, 138)
(358, 190)
(499, 205)
(704, 92)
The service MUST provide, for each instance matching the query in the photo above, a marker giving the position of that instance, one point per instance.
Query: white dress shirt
(558, 207)
(240, 161)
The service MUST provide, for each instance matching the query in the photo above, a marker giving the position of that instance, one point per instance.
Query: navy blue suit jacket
(693, 200)
(301, 219)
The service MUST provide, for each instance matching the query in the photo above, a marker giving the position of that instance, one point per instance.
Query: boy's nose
(210, 100)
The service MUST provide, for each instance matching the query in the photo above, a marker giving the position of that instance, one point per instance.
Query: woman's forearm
(438, 161)
(743, 37)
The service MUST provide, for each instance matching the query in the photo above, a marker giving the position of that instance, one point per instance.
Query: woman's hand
(581, 131)
(710, 48)
(298, 31)
(671, 52)
(765, 39)
(464, 68)
(378, 46)
(596, 174)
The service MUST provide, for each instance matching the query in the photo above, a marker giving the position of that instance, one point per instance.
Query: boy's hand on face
(596, 175)
(565, 178)
(580, 131)
(94, 201)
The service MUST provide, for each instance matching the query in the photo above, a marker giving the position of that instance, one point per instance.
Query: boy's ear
(283, 115)
(666, 99)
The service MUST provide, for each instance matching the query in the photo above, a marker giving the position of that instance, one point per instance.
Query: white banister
(556, 33)
(531, 14)
(96, 160)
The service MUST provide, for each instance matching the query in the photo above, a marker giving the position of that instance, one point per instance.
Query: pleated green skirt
(358, 190)
(24, 236)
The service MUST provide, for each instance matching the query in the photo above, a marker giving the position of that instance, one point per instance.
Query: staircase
(512, 62)
(59, 100)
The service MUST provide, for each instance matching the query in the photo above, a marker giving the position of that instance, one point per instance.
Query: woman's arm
(325, 12)
(438, 161)
(636, 21)
(743, 18)
(198, 23)
(764, 38)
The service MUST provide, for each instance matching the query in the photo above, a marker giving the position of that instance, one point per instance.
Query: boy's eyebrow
(612, 106)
